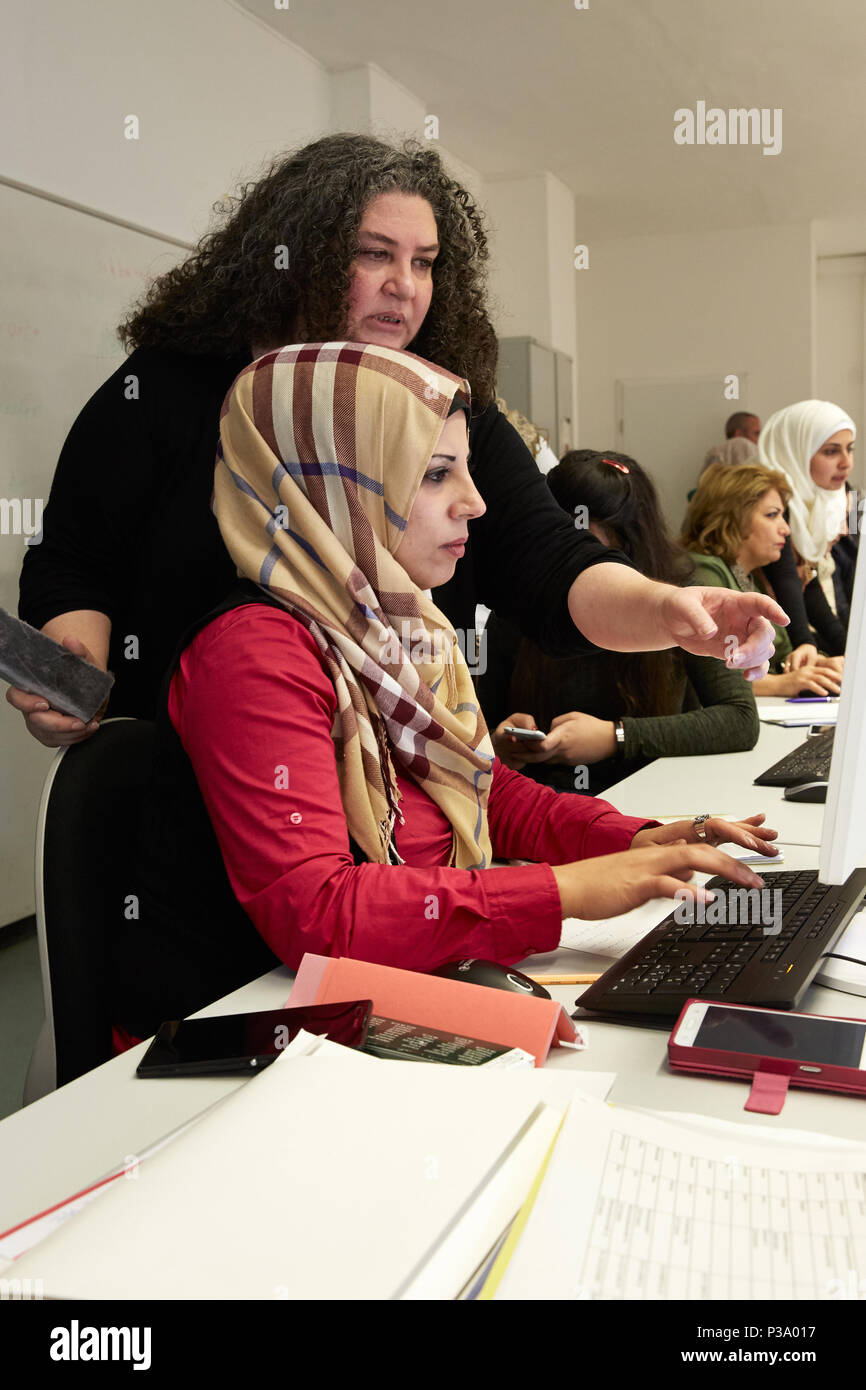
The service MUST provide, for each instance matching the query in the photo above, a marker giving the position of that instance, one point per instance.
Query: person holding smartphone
(606, 715)
(324, 779)
(346, 238)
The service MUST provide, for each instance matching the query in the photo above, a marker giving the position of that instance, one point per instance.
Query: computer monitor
(843, 837)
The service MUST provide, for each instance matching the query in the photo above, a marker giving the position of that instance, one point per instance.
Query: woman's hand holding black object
(47, 726)
(515, 752)
(579, 739)
(574, 738)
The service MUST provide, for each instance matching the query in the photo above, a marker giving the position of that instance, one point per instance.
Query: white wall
(561, 271)
(518, 276)
(370, 100)
(215, 93)
(532, 275)
(840, 324)
(367, 99)
(843, 236)
(532, 268)
(840, 361)
(693, 306)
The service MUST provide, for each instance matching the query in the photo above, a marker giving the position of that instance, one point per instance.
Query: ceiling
(590, 95)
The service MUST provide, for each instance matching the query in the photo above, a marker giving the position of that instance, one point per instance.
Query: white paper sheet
(634, 1206)
(794, 716)
(325, 1177)
(30, 1233)
(613, 937)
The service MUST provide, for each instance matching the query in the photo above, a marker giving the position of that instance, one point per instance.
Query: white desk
(679, 787)
(639, 1054)
(64, 1141)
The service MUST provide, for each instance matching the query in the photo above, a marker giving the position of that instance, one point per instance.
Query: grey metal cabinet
(537, 381)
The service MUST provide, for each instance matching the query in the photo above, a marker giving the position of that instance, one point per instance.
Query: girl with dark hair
(604, 715)
(352, 238)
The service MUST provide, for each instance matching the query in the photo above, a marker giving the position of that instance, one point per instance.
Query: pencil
(564, 979)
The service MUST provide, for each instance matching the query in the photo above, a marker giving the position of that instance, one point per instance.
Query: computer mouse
(806, 791)
(487, 972)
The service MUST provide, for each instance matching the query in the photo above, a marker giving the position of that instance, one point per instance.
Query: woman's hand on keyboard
(751, 833)
(594, 889)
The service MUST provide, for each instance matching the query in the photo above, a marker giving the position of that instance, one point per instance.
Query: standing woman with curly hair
(347, 238)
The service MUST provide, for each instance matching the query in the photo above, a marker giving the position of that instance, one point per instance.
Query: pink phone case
(712, 1062)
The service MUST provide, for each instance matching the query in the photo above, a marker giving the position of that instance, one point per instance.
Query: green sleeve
(726, 723)
(710, 570)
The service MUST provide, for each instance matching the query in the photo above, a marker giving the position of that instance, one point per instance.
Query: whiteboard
(67, 276)
(668, 426)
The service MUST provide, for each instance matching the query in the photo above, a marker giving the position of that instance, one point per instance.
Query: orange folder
(474, 1011)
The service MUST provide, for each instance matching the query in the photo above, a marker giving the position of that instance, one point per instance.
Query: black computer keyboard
(764, 951)
(811, 761)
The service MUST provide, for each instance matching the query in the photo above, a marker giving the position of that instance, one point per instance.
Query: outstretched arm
(619, 609)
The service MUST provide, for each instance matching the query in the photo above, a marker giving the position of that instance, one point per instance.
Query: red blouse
(253, 708)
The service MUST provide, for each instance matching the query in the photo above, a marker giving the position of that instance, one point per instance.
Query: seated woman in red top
(332, 725)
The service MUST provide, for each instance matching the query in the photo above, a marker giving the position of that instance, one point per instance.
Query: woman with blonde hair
(735, 526)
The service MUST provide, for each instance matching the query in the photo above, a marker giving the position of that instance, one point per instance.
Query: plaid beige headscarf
(322, 451)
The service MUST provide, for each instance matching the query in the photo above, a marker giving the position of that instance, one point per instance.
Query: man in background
(742, 425)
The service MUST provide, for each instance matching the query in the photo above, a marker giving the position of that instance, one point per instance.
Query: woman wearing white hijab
(812, 443)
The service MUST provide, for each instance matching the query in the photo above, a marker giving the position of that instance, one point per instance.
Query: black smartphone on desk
(246, 1043)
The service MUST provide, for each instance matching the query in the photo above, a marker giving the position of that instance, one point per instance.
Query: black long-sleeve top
(128, 530)
(783, 576)
(812, 619)
(845, 553)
